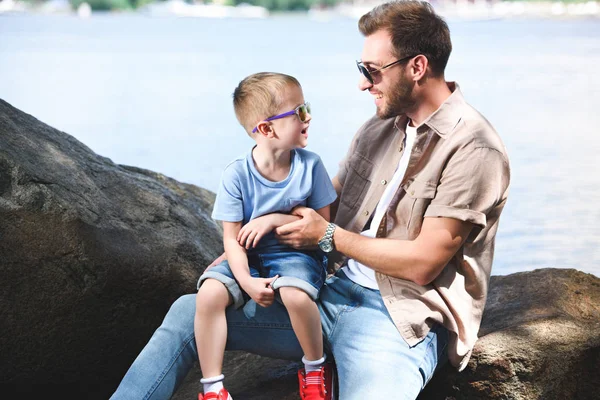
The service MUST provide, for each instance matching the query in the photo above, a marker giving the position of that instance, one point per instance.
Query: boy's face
(290, 132)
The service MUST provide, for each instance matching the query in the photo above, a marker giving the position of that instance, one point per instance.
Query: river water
(156, 93)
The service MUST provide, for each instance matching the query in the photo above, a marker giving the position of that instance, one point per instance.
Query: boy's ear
(265, 129)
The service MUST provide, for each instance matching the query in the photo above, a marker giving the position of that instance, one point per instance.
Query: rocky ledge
(93, 253)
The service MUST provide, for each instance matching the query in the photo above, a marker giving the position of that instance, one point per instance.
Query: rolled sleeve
(472, 184)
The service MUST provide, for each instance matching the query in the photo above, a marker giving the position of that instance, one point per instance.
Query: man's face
(391, 87)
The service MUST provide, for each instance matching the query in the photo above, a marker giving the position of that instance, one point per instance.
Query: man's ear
(265, 129)
(418, 67)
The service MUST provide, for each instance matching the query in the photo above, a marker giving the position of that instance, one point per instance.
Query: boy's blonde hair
(260, 96)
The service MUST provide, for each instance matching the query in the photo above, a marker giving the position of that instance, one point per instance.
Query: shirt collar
(445, 118)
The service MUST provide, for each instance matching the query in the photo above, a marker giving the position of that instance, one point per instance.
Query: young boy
(256, 194)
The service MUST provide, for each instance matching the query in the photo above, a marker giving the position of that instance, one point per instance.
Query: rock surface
(92, 254)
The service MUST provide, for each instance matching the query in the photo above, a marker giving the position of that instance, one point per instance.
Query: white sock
(313, 365)
(214, 384)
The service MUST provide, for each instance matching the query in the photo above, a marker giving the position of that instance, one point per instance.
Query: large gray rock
(92, 254)
(539, 339)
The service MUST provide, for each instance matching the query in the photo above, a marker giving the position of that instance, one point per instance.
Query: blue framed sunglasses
(301, 111)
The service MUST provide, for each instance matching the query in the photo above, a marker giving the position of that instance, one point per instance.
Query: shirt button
(412, 192)
(366, 212)
(383, 182)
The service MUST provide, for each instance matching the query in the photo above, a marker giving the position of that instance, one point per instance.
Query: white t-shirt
(360, 273)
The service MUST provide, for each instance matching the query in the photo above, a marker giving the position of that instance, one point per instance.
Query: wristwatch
(326, 242)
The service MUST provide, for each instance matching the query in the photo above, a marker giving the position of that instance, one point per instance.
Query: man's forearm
(420, 260)
(397, 258)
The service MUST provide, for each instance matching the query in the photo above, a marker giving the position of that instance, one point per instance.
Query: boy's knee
(294, 297)
(211, 296)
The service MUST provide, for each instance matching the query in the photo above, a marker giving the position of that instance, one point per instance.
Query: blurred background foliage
(271, 5)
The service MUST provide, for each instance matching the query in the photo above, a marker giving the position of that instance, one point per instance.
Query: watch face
(326, 245)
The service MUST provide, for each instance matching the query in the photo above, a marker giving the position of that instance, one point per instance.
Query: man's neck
(432, 96)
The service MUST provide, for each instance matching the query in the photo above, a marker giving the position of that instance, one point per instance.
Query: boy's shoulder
(308, 155)
(237, 162)
(236, 166)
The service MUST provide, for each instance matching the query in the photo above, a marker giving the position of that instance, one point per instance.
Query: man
(420, 192)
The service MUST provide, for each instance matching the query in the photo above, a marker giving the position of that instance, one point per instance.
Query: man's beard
(400, 102)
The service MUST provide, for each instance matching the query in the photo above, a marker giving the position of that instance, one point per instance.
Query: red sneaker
(223, 395)
(317, 385)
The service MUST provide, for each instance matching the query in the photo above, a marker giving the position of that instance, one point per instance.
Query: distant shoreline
(485, 10)
(517, 9)
(460, 9)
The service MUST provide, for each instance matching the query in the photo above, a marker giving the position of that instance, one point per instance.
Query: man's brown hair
(259, 96)
(415, 29)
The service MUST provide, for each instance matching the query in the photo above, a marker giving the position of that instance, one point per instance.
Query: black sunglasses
(368, 74)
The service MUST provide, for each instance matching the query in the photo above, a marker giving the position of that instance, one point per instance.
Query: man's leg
(166, 359)
(373, 360)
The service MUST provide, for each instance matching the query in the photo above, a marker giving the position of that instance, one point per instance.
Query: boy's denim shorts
(304, 270)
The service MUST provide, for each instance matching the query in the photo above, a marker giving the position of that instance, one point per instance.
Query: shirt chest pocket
(357, 181)
(290, 203)
(414, 205)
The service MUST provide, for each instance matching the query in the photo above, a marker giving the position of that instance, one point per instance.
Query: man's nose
(363, 83)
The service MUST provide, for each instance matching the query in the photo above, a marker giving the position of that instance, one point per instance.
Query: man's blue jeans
(372, 359)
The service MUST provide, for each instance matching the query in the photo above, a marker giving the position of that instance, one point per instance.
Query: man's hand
(260, 290)
(304, 233)
(254, 230)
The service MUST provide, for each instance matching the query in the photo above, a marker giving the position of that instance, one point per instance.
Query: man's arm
(420, 260)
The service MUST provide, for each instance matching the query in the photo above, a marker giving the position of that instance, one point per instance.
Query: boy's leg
(301, 277)
(166, 359)
(372, 359)
(306, 321)
(210, 326)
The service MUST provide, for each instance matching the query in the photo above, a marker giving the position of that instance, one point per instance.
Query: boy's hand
(254, 230)
(259, 289)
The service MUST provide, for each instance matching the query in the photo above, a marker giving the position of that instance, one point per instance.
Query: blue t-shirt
(244, 194)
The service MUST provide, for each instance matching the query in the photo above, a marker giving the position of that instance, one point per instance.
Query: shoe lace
(313, 383)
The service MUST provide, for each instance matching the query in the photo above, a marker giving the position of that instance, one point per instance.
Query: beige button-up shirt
(458, 168)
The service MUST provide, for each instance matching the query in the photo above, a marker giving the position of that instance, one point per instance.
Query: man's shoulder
(474, 126)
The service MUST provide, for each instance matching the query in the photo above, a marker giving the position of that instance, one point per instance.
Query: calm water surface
(156, 93)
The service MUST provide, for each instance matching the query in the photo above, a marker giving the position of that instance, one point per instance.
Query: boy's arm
(251, 233)
(325, 212)
(257, 288)
(234, 253)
